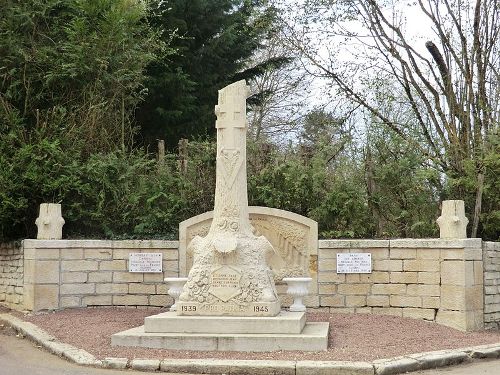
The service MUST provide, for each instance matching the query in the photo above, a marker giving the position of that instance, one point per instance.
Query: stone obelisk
(230, 275)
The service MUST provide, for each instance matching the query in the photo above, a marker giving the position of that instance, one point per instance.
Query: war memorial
(240, 278)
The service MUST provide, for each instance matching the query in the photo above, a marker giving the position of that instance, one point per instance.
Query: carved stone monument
(230, 275)
(229, 301)
(293, 237)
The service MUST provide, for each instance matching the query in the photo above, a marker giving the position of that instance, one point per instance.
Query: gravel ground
(353, 337)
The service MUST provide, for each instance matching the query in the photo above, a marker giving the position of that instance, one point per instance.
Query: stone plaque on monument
(354, 263)
(225, 283)
(145, 262)
(230, 273)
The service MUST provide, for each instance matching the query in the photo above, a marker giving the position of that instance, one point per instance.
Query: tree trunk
(371, 189)
(477, 205)
(183, 155)
(161, 154)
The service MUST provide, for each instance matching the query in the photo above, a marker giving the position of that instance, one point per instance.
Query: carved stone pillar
(452, 222)
(230, 275)
(49, 222)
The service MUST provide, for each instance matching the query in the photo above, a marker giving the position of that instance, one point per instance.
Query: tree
(74, 66)
(325, 133)
(213, 40)
(402, 192)
(451, 85)
(279, 90)
(71, 74)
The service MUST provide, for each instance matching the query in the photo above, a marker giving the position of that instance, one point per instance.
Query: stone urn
(176, 284)
(298, 288)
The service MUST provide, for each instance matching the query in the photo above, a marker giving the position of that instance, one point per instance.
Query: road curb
(50, 343)
(389, 366)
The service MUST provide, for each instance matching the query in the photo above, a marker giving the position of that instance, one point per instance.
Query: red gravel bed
(353, 337)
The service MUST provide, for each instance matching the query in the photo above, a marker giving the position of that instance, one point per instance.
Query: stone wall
(77, 273)
(11, 275)
(436, 280)
(433, 279)
(491, 259)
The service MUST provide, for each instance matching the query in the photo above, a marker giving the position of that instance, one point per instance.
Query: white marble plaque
(145, 262)
(354, 263)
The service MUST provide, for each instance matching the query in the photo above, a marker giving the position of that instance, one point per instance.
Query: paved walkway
(21, 357)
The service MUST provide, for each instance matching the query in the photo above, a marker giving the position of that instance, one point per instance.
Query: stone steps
(314, 337)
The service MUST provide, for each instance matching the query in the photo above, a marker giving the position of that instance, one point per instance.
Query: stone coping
(490, 245)
(397, 365)
(355, 244)
(436, 243)
(322, 244)
(101, 244)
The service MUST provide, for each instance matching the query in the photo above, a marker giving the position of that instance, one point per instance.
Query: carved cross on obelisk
(229, 274)
(231, 200)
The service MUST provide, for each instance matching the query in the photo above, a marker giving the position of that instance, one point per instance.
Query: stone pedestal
(284, 322)
(286, 331)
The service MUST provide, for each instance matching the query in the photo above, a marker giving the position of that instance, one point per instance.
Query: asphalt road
(21, 357)
(482, 367)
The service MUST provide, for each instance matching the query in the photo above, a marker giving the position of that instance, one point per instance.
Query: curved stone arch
(293, 236)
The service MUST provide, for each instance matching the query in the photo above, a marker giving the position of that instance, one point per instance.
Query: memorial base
(286, 331)
(284, 322)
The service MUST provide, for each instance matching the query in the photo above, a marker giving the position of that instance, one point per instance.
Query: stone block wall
(433, 279)
(78, 273)
(491, 259)
(436, 280)
(11, 275)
